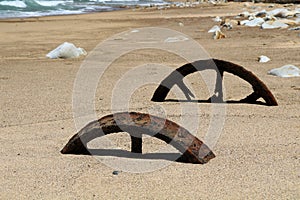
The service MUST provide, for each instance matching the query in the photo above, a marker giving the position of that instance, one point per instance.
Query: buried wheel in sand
(193, 150)
(221, 66)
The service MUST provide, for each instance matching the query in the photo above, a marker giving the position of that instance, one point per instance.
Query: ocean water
(34, 8)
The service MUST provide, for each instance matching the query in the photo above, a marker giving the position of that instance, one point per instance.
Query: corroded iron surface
(221, 66)
(193, 150)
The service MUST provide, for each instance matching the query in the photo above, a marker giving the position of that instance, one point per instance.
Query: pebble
(115, 173)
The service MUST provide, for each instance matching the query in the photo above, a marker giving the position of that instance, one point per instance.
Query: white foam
(19, 4)
(51, 3)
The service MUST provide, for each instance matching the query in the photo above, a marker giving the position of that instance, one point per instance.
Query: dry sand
(257, 152)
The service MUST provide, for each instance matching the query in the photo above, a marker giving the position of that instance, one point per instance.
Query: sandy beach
(257, 153)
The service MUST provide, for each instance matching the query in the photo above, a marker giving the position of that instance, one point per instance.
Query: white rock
(255, 22)
(288, 22)
(283, 12)
(243, 22)
(180, 24)
(286, 71)
(66, 50)
(272, 25)
(264, 59)
(217, 19)
(279, 12)
(214, 29)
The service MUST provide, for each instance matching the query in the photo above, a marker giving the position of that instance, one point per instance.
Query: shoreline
(161, 9)
(170, 4)
(184, 5)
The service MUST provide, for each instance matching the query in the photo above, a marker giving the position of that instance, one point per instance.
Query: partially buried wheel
(221, 66)
(193, 150)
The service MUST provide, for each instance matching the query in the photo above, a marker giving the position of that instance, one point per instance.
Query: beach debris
(179, 38)
(193, 150)
(220, 66)
(219, 35)
(263, 59)
(285, 71)
(66, 50)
